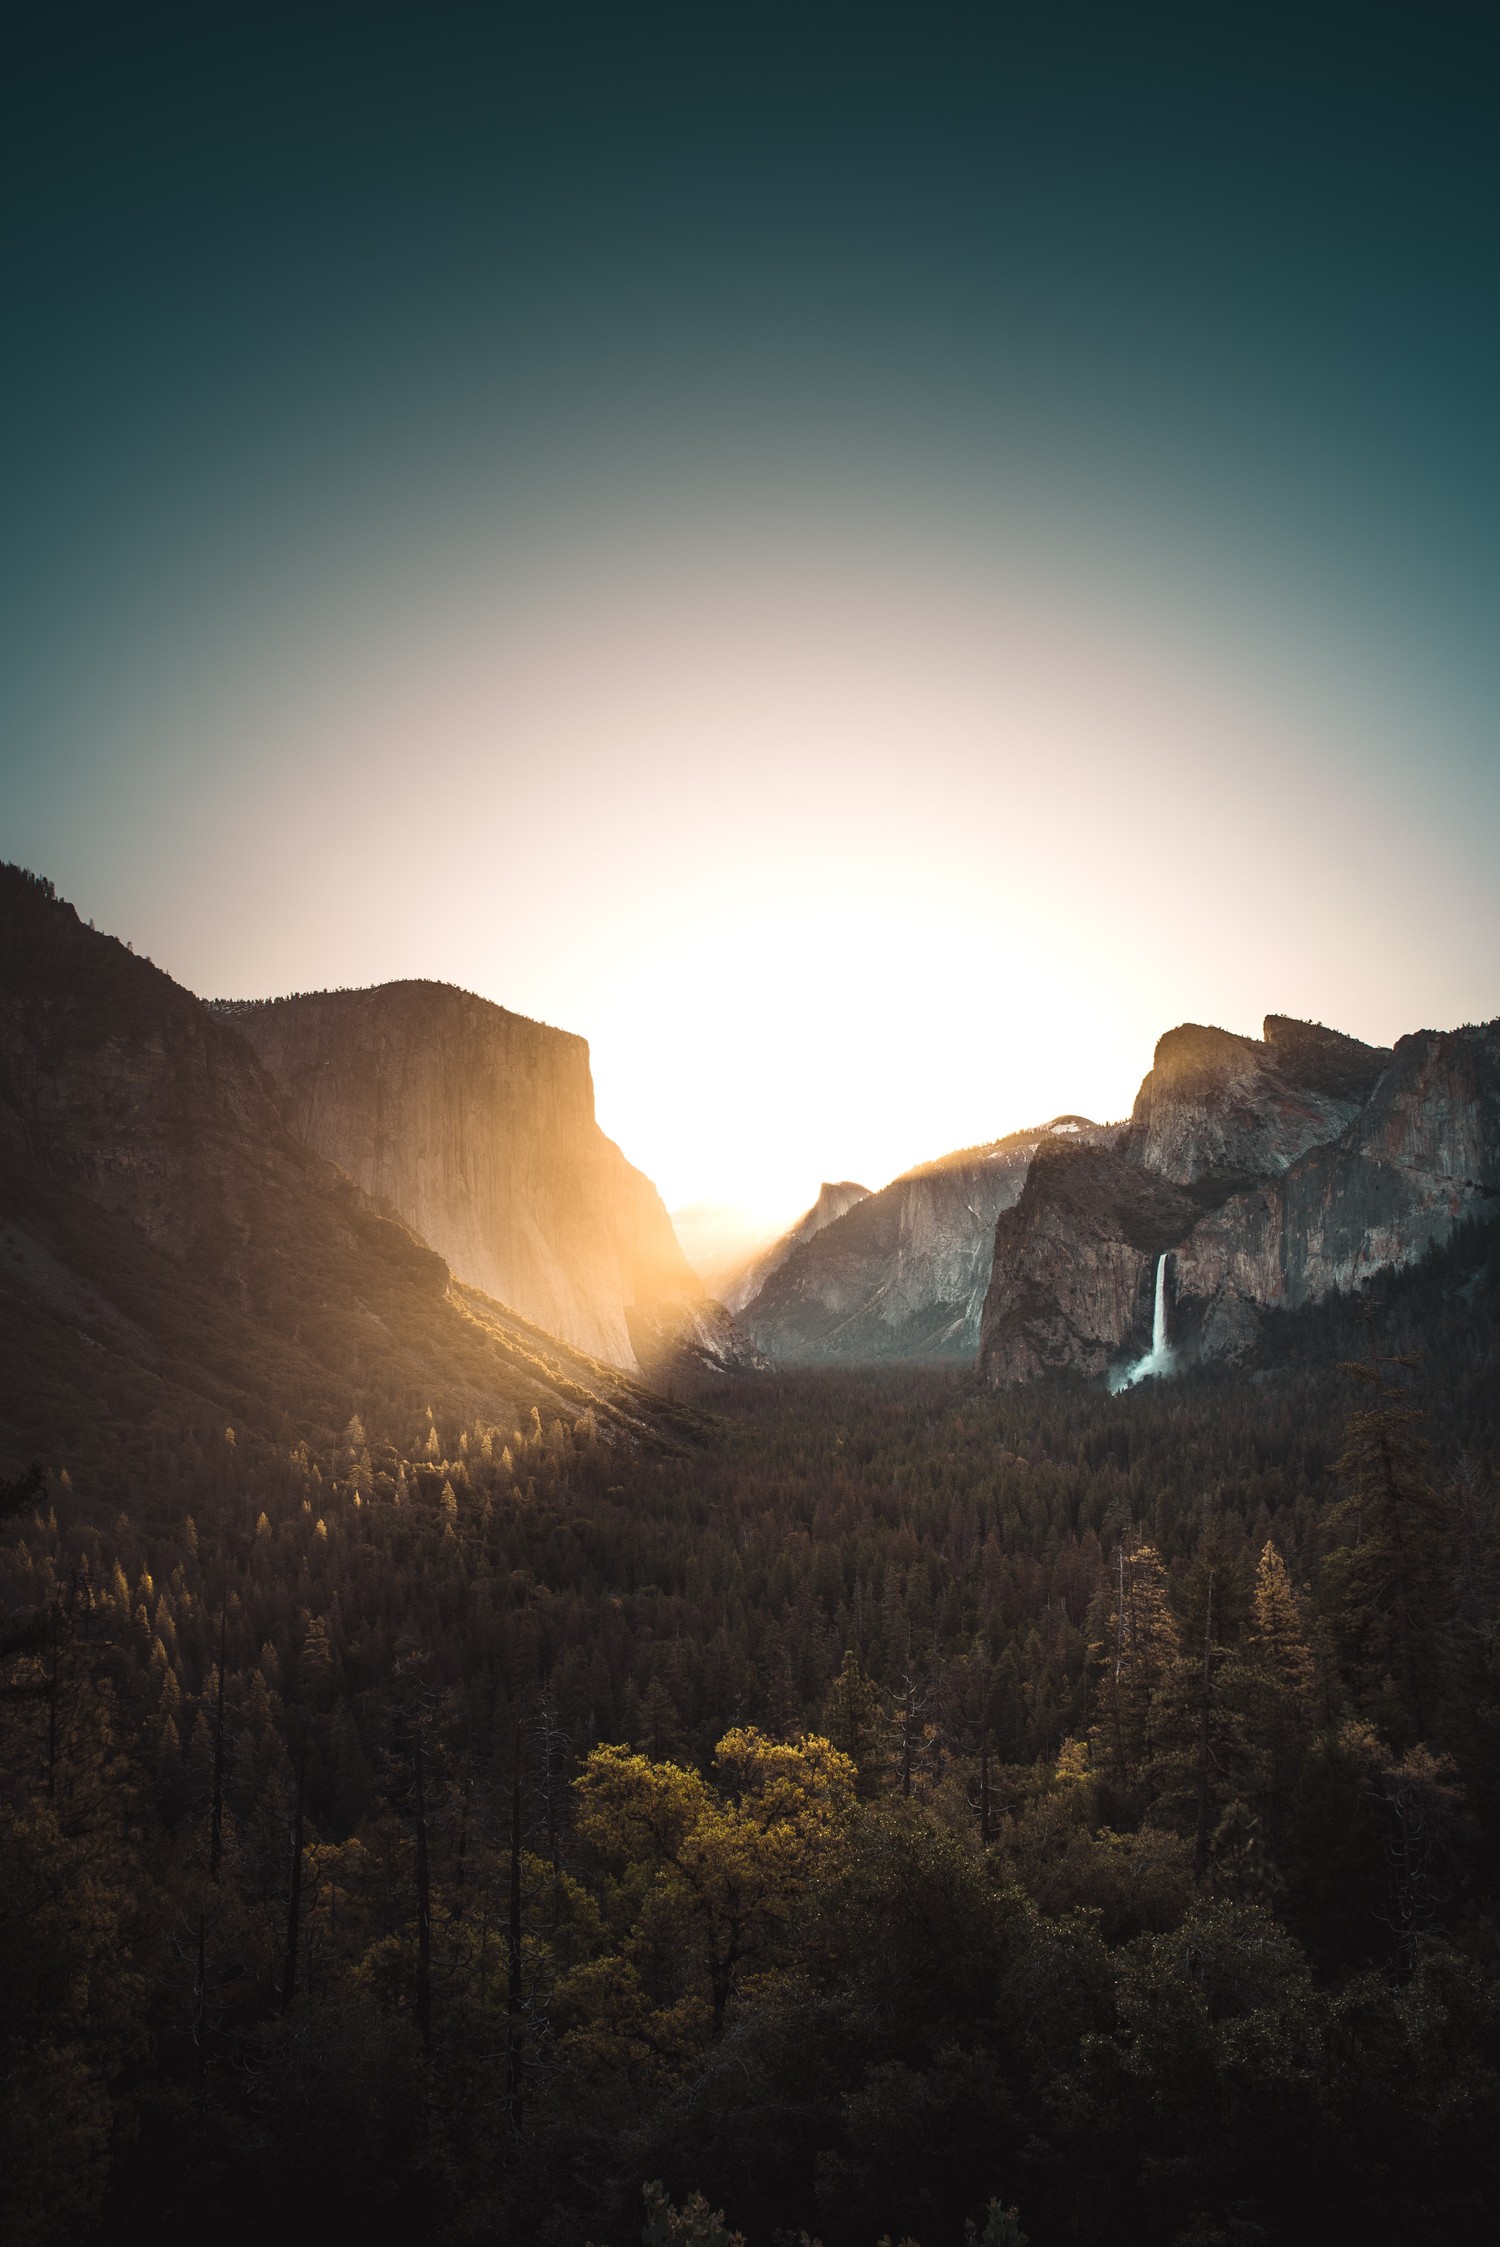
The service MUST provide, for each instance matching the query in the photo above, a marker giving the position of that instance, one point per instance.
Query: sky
(868, 561)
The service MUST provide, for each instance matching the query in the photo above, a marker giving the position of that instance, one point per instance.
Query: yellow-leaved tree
(703, 1879)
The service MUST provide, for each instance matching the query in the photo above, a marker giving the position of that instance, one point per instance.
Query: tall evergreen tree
(1392, 1567)
(1138, 1655)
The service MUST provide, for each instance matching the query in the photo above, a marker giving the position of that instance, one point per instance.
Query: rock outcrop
(175, 1254)
(477, 1127)
(1218, 1111)
(902, 1273)
(1270, 1171)
(833, 1202)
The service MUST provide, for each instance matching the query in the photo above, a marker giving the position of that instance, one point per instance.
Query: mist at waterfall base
(1160, 1361)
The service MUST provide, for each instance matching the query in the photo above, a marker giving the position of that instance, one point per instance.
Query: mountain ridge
(834, 1200)
(1269, 1172)
(477, 1126)
(903, 1273)
(169, 1247)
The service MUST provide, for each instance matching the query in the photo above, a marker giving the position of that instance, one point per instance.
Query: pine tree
(1273, 1683)
(294, 1879)
(1139, 1652)
(1392, 1572)
(851, 1719)
(515, 2061)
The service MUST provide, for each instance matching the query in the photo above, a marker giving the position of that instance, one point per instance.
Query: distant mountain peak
(835, 1200)
(901, 1273)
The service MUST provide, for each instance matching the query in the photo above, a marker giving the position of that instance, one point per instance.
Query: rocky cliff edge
(1269, 1171)
(477, 1126)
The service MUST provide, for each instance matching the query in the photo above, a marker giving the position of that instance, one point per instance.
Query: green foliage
(705, 1878)
(1002, 2228)
(71, 2018)
(694, 2224)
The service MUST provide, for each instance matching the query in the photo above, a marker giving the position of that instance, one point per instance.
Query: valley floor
(894, 1806)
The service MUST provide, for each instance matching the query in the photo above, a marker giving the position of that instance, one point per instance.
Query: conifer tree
(1273, 1683)
(294, 1882)
(424, 1894)
(1391, 1572)
(514, 2056)
(851, 1719)
(1140, 1650)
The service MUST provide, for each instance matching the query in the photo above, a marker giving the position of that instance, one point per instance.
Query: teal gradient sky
(867, 561)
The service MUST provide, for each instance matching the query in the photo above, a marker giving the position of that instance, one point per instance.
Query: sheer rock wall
(477, 1126)
(903, 1274)
(1273, 1171)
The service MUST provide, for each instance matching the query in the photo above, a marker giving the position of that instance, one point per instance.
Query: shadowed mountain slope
(903, 1273)
(172, 1254)
(833, 1202)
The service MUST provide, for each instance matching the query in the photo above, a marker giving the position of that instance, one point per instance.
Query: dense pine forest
(875, 1809)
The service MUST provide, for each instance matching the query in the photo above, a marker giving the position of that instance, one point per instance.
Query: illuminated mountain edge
(477, 1127)
(901, 1274)
(835, 1200)
(173, 1255)
(1272, 1172)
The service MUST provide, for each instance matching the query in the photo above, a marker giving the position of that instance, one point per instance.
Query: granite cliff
(1270, 1172)
(173, 1254)
(476, 1126)
(901, 1273)
(833, 1202)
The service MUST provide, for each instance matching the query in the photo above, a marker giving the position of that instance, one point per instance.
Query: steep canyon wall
(477, 1126)
(1273, 1171)
(902, 1273)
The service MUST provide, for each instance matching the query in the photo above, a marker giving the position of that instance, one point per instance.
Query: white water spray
(1159, 1359)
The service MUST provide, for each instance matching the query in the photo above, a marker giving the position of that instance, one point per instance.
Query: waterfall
(1160, 1359)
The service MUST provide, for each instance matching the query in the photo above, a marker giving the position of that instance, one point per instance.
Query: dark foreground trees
(911, 1808)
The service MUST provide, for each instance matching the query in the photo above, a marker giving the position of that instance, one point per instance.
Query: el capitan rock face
(477, 1126)
(1273, 1171)
(902, 1273)
(173, 1252)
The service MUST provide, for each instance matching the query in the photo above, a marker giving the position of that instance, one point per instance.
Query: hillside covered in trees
(888, 1807)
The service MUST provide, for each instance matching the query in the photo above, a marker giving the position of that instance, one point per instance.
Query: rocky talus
(477, 1127)
(1269, 1171)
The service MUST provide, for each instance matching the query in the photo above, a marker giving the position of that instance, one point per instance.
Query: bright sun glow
(841, 853)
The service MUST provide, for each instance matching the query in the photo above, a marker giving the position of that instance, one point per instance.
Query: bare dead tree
(424, 1898)
(294, 1894)
(514, 2055)
(1200, 1836)
(215, 1857)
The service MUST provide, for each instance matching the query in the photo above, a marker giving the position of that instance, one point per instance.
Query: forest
(873, 1810)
